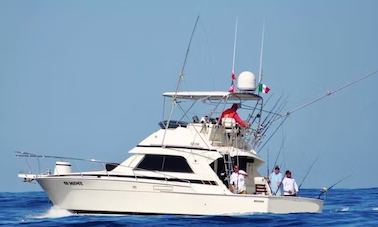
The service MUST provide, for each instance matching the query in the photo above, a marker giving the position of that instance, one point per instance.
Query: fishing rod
(262, 126)
(272, 119)
(325, 190)
(279, 151)
(279, 185)
(254, 108)
(267, 163)
(265, 129)
(283, 177)
(272, 109)
(258, 115)
(308, 172)
(250, 116)
(267, 100)
(275, 163)
(261, 110)
(274, 132)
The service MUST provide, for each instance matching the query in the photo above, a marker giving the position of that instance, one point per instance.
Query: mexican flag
(263, 88)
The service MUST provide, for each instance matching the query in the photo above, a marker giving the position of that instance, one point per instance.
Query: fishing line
(308, 172)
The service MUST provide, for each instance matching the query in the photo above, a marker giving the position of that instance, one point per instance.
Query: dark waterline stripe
(122, 213)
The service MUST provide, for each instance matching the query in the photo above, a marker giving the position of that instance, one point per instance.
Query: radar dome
(247, 81)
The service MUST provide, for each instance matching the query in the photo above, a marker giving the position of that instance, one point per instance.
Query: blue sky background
(85, 78)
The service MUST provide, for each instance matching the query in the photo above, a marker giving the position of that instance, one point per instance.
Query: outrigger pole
(31, 155)
(180, 78)
(329, 93)
(284, 116)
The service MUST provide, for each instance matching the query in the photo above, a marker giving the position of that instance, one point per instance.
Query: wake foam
(375, 209)
(344, 209)
(54, 212)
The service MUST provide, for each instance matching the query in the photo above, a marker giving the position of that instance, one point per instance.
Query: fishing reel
(322, 191)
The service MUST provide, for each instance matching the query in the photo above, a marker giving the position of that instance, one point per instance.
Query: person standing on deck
(275, 181)
(290, 187)
(237, 181)
(231, 113)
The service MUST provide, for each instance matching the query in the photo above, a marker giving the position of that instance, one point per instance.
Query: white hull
(120, 197)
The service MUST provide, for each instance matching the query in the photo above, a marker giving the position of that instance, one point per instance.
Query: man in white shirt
(290, 187)
(275, 181)
(237, 181)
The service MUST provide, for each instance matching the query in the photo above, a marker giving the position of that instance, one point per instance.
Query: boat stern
(292, 204)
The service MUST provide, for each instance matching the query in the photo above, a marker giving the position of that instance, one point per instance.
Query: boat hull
(80, 195)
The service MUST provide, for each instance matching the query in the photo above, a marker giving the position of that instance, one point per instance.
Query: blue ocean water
(353, 207)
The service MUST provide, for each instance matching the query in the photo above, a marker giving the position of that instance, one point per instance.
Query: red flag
(233, 77)
(232, 89)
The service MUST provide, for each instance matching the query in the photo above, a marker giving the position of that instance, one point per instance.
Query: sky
(85, 78)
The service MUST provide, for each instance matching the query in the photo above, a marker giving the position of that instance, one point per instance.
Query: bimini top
(212, 95)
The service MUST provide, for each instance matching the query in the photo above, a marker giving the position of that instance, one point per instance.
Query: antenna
(234, 51)
(232, 88)
(261, 53)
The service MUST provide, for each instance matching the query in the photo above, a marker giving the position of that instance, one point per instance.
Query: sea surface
(343, 207)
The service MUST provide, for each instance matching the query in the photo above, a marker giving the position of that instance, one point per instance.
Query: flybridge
(213, 95)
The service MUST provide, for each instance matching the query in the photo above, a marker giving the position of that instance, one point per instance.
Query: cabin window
(151, 162)
(165, 163)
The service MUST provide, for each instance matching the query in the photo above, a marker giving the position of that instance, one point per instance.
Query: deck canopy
(212, 95)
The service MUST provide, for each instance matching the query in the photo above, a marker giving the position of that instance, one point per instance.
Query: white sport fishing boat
(182, 168)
